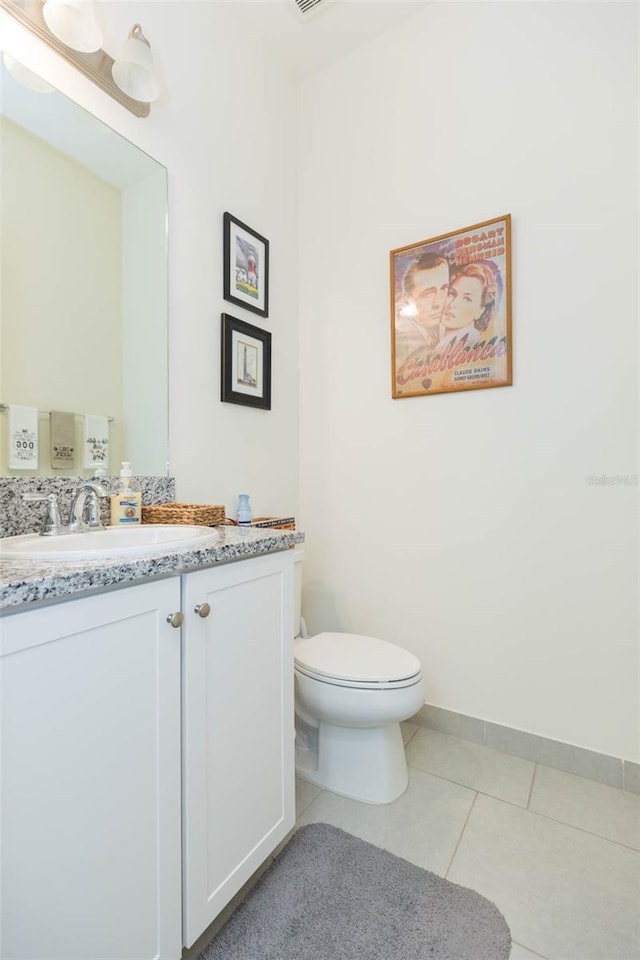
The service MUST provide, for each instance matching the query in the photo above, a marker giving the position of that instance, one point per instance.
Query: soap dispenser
(126, 503)
(244, 510)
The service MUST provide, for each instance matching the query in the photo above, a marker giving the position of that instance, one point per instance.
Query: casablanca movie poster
(451, 311)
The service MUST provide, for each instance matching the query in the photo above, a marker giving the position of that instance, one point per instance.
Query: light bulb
(134, 72)
(74, 23)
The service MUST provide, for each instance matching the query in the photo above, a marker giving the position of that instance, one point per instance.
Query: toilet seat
(353, 660)
(361, 684)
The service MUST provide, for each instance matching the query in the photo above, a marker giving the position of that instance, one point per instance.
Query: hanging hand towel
(96, 441)
(23, 438)
(63, 439)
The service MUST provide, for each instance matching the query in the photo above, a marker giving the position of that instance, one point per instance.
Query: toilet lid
(350, 656)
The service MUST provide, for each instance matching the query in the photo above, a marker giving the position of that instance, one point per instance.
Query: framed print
(246, 266)
(246, 364)
(451, 311)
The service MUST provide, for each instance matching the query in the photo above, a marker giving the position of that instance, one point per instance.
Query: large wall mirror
(83, 294)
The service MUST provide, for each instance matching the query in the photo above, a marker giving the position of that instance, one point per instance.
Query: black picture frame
(245, 364)
(245, 266)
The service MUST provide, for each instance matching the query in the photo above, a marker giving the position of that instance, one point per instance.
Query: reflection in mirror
(83, 297)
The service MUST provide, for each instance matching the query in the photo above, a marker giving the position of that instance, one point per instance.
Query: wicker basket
(204, 514)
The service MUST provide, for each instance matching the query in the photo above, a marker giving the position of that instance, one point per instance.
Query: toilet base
(362, 763)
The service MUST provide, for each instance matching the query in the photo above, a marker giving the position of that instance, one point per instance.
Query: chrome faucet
(86, 496)
(84, 503)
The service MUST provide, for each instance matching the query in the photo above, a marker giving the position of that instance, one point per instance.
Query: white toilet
(351, 693)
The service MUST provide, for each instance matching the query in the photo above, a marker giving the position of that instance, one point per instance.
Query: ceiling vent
(308, 8)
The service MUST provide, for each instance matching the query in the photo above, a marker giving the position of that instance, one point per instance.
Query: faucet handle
(51, 523)
(92, 511)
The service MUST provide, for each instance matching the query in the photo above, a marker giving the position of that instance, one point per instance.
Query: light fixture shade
(25, 77)
(74, 23)
(134, 72)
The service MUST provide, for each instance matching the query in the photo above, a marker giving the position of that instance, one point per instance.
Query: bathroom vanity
(146, 741)
(146, 704)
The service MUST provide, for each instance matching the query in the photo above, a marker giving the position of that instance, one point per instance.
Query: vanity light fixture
(134, 71)
(70, 28)
(74, 23)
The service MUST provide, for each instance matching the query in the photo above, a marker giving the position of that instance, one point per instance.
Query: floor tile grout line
(464, 827)
(529, 949)
(534, 813)
(572, 826)
(521, 756)
(491, 749)
(533, 780)
(306, 807)
(411, 737)
(466, 786)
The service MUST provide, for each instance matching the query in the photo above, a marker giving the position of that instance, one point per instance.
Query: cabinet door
(238, 729)
(90, 739)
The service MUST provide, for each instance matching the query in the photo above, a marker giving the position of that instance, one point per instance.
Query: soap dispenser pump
(126, 503)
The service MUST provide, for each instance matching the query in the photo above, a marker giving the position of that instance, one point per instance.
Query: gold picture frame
(451, 311)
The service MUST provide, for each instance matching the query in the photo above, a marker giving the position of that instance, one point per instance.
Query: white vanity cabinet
(238, 728)
(90, 748)
(139, 791)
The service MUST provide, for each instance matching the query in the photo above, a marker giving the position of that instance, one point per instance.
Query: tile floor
(559, 855)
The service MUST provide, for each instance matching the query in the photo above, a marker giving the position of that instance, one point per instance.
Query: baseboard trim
(612, 771)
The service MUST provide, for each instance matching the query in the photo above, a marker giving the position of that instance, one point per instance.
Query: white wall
(463, 526)
(226, 131)
(459, 526)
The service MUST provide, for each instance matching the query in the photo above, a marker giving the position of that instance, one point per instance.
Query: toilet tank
(298, 557)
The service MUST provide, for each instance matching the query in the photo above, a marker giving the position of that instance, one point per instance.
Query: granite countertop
(29, 581)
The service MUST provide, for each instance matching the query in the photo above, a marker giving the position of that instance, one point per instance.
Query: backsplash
(18, 516)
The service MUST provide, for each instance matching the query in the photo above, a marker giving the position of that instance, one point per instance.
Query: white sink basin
(110, 542)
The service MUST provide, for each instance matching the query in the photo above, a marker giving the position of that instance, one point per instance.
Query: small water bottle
(244, 510)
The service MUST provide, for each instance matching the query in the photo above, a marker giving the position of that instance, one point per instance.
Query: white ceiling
(308, 43)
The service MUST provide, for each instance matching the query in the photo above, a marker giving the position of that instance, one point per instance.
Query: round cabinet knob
(176, 619)
(203, 610)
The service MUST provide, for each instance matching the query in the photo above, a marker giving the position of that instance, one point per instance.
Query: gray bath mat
(330, 896)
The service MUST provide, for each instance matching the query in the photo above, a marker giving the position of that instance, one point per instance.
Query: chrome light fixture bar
(96, 66)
